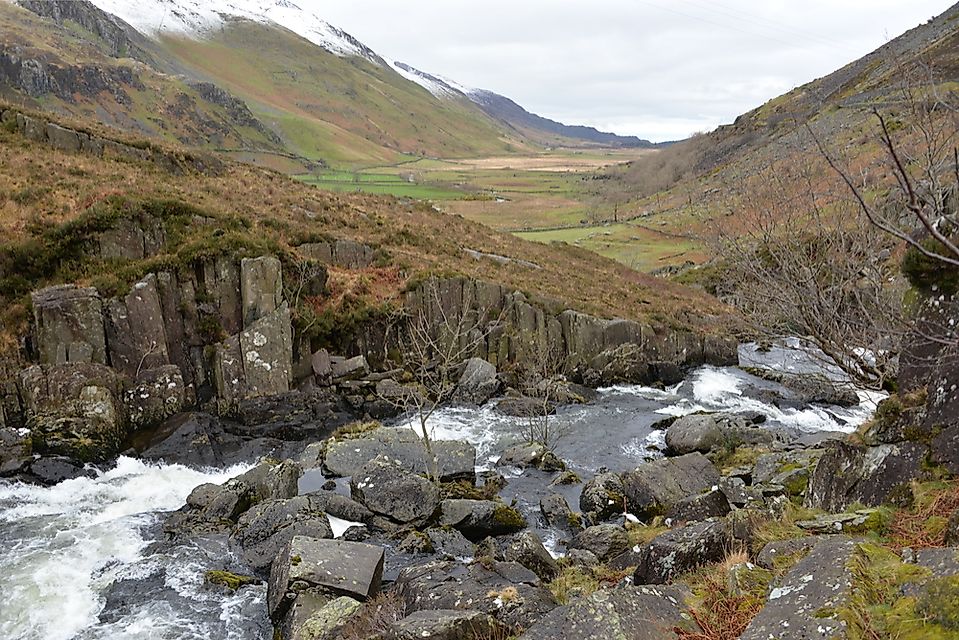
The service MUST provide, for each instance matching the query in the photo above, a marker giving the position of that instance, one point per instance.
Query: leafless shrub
(434, 341)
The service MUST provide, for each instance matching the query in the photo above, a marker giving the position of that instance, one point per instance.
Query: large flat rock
(342, 568)
(800, 603)
(637, 613)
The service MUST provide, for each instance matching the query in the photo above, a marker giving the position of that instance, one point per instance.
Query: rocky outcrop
(74, 409)
(215, 508)
(592, 350)
(848, 473)
(121, 40)
(346, 254)
(68, 323)
(38, 77)
(35, 78)
(257, 362)
(237, 110)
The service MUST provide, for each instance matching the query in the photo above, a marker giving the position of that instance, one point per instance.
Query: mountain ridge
(193, 43)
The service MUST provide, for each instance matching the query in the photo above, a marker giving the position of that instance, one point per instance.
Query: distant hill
(507, 111)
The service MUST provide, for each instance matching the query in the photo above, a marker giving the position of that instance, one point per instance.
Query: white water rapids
(62, 547)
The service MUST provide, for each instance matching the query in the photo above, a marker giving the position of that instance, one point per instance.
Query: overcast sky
(658, 69)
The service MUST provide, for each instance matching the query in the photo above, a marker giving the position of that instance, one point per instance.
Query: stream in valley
(85, 558)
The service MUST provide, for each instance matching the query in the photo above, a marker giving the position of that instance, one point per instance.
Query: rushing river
(81, 559)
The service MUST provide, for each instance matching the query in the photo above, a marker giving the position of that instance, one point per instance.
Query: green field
(379, 183)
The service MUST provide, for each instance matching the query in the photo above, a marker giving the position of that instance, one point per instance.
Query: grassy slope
(347, 110)
(51, 187)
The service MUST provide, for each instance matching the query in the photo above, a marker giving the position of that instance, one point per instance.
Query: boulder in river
(477, 519)
(535, 455)
(557, 513)
(708, 432)
(212, 508)
(652, 488)
(603, 496)
(16, 450)
(389, 490)
(263, 530)
(478, 383)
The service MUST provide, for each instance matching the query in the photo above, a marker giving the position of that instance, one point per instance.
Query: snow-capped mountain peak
(198, 18)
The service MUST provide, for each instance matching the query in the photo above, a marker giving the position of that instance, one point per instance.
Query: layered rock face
(594, 351)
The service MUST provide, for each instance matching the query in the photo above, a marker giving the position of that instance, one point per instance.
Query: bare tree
(798, 264)
(910, 192)
(541, 379)
(434, 341)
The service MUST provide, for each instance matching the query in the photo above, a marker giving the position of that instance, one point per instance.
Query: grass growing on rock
(782, 528)
(576, 581)
(376, 617)
(877, 608)
(726, 597)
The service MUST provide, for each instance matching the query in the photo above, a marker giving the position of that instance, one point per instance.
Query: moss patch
(231, 581)
(508, 517)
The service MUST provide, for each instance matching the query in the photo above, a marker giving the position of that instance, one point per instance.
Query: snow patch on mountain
(439, 87)
(199, 18)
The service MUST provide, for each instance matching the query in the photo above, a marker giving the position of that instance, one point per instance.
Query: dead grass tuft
(923, 526)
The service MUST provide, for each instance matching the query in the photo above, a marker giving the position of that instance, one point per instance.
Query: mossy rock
(231, 581)
(930, 274)
(508, 517)
(939, 602)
